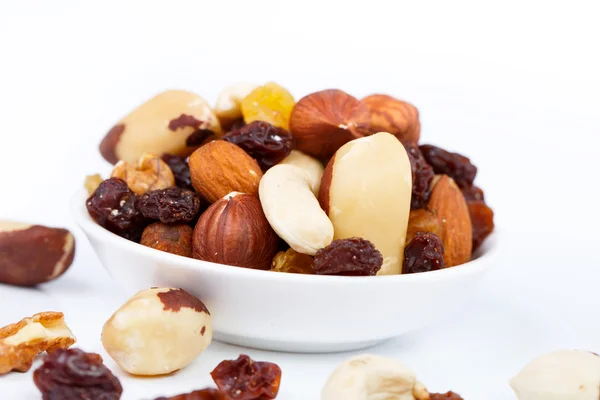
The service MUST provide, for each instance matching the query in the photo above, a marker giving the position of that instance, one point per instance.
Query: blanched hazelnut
(157, 331)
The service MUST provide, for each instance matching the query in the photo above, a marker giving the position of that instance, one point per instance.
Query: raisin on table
(424, 253)
(72, 374)
(204, 394)
(349, 257)
(170, 205)
(245, 379)
(266, 143)
(422, 175)
(180, 169)
(482, 221)
(113, 206)
(455, 165)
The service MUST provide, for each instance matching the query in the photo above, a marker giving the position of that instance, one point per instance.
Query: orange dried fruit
(421, 220)
(271, 103)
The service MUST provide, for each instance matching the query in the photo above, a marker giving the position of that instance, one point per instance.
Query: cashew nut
(310, 165)
(561, 375)
(372, 377)
(292, 209)
(228, 106)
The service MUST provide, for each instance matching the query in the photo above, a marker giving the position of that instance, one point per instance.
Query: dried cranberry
(170, 205)
(266, 143)
(422, 175)
(455, 165)
(75, 375)
(482, 221)
(425, 252)
(245, 379)
(180, 169)
(113, 206)
(204, 394)
(351, 257)
(444, 396)
(472, 193)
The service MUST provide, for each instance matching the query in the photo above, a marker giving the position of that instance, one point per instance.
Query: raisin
(425, 252)
(422, 221)
(198, 137)
(267, 144)
(170, 205)
(72, 374)
(472, 193)
(245, 379)
(180, 169)
(293, 262)
(113, 206)
(482, 221)
(455, 165)
(445, 396)
(422, 175)
(271, 103)
(350, 257)
(237, 124)
(204, 394)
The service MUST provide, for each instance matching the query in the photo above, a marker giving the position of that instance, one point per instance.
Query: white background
(514, 85)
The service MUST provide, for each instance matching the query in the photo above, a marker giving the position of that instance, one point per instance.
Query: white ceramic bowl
(290, 312)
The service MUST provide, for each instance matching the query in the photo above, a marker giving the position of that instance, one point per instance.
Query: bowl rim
(82, 218)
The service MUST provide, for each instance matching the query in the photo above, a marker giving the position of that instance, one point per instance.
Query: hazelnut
(220, 167)
(151, 173)
(373, 377)
(174, 239)
(394, 116)
(324, 121)
(366, 191)
(235, 231)
(560, 375)
(157, 331)
(174, 122)
(33, 254)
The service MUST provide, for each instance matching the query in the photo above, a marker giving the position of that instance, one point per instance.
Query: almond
(219, 168)
(449, 204)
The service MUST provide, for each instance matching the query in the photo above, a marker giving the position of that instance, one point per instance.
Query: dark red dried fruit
(170, 205)
(424, 253)
(349, 257)
(266, 143)
(113, 206)
(482, 221)
(180, 169)
(422, 175)
(204, 394)
(445, 396)
(472, 193)
(237, 124)
(198, 137)
(455, 165)
(72, 374)
(245, 379)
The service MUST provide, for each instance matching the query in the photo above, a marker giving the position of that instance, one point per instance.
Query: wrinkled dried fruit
(204, 394)
(112, 206)
(293, 262)
(482, 221)
(271, 103)
(245, 379)
(75, 375)
(267, 144)
(169, 205)
(472, 193)
(150, 173)
(455, 165)
(422, 175)
(180, 169)
(422, 221)
(424, 253)
(349, 257)
(92, 182)
(174, 239)
(444, 396)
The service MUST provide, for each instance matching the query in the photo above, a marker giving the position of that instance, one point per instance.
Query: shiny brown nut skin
(33, 254)
(174, 239)
(394, 116)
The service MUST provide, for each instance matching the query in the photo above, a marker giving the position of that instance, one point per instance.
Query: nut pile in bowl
(328, 185)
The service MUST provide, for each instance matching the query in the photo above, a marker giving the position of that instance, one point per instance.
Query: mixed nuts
(265, 170)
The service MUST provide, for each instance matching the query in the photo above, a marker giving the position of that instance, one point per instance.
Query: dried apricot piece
(482, 220)
(271, 103)
(293, 262)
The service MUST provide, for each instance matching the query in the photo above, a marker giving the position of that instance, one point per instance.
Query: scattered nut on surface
(92, 182)
(174, 122)
(229, 103)
(287, 187)
(33, 254)
(157, 331)
(560, 375)
(366, 191)
(372, 377)
(394, 116)
(150, 173)
(20, 343)
(219, 168)
(313, 168)
(235, 231)
(174, 239)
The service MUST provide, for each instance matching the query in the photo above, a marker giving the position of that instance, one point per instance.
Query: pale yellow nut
(313, 168)
(228, 106)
